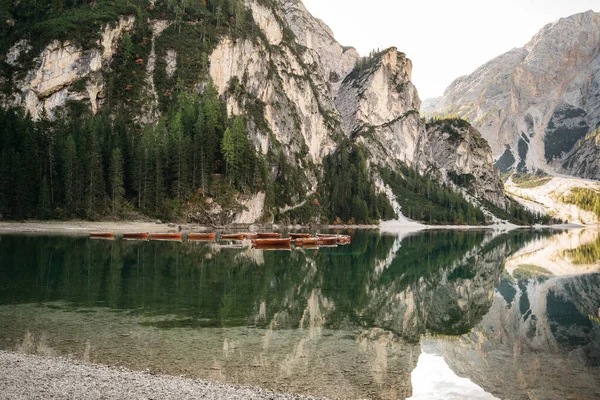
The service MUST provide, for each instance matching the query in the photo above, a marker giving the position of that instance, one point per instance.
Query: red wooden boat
(102, 235)
(209, 237)
(300, 235)
(272, 242)
(232, 236)
(167, 236)
(268, 235)
(310, 241)
(250, 236)
(344, 239)
(328, 241)
(136, 236)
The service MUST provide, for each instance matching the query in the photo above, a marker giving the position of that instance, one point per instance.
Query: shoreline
(24, 376)
(78, 227)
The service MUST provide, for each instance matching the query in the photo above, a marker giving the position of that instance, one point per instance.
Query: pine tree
(117, 189)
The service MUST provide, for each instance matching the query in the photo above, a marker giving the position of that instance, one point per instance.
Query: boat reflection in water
(347, 322)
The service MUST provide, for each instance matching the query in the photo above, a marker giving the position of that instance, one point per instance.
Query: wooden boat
(300, 235)
(232, 236)
(102, 235)
(310, 241)
(250, 236)
(268, 235)
(136, 236)
(344, 239)
(272, 242)
(328, 241)
(209, 237)
(167, 236)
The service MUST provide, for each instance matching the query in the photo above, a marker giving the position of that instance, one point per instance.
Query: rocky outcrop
(464, 157)
(533, 104)
(379, 107)
(60, 66)
(333, 61)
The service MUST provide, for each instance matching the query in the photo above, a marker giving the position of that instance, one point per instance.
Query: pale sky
(444, 39)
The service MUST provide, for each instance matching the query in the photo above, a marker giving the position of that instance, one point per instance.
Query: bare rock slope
(535, 104)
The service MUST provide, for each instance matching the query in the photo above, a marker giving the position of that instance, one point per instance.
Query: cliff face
(60, 65)
(533, 104)
(300, 89)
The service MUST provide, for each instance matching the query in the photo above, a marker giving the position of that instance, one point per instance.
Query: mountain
(221, 112)
(537, 105)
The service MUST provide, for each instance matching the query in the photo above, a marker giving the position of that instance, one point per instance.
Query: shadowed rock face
(539, 100)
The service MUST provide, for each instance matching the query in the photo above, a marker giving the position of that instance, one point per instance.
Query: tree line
(91, 166)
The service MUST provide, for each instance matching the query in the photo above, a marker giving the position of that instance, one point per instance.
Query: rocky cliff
(298, 89)
(534, 104)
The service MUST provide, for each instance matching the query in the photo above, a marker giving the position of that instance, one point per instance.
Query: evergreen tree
(117, 189)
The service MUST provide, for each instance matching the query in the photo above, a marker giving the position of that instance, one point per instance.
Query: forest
(93, 166)
(585, 198)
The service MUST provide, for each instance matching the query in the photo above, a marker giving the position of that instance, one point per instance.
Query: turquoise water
(352, 321)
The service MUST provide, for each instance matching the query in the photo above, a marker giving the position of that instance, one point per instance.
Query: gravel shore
(32, 377)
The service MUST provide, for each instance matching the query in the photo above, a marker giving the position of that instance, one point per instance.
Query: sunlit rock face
(380, 106)
(534, 104)
(49, 85)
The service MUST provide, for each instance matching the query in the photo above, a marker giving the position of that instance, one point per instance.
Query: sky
(444, 39)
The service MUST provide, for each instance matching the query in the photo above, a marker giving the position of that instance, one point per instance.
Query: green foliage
(423, 199)
(93, 166)
(449, 124)
(585, 198)
(529, 181)
(364, 64)
(518, 215)
(349, 194)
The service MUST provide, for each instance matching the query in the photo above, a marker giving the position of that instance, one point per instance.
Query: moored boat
(102, 235)
(272, 242)
(232, 236)
(328, 241)
(300, 235)
(310, 241)
(250, 236)
(136, 236)
(268, 235)
(166, 236)
(195, 236)
(344, 239)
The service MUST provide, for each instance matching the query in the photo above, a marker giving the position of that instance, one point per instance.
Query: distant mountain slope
(533, 104)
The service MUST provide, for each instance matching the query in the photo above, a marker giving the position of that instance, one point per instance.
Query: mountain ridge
(301, 98)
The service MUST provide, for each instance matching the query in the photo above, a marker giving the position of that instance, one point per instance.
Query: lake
(452, 314)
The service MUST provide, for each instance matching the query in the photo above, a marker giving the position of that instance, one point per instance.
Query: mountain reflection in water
(347, 322)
